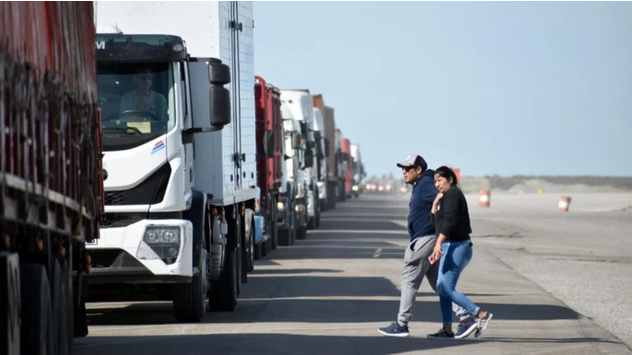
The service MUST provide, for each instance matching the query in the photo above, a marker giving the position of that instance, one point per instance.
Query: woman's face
(442, 184)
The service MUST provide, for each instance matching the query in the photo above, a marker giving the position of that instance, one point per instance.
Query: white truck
(301, 105)
(358, 171)
(291, 208)
(320, 165)
(176, 90)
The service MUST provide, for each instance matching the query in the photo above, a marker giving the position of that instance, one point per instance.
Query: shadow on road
(293, 271)
(283, 344)
(293, 310)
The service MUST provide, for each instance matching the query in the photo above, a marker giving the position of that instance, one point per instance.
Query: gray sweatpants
(418, 265)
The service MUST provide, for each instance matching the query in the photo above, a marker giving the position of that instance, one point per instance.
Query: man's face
(143, 81)
(411, 174)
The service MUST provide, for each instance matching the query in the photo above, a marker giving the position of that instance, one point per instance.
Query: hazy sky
(492, 88)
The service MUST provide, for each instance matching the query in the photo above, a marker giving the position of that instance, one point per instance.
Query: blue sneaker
(441, 334)
(482, 324)
(394, 330)
(465, 329)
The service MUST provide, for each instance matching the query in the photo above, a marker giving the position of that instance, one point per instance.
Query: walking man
(422, 242)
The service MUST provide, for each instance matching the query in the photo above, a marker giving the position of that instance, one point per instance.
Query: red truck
(269, 160)
(348, 162)
(331, 162)
(51, 184)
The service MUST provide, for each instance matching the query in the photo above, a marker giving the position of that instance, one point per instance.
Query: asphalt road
(328, 294)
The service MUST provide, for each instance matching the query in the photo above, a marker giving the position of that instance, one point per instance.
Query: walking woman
(453, 251)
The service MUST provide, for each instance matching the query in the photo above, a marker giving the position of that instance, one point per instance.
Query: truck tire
(70, 306)
(9, 304)
(286, 236)
(274, 230)
(189, 299)
(251, 251)
(317, 219)
(37, 334)
(301, 233)
(331, 197)
(239, 253)
(259, 249)
(311, 224)
(80, 316)
(223, 293)
(60, 307)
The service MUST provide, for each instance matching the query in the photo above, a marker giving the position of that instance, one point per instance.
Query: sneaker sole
(441, 338)
(480, 331)
(467, 333)
(396, 335)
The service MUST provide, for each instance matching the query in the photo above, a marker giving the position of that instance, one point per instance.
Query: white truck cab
(301, 104)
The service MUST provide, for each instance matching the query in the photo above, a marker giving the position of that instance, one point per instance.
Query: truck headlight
(170, 235)
(355, 188)
(163, 241)
(280, 206)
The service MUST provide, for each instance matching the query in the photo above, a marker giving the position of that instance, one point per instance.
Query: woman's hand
(437, 251)
(435, 204)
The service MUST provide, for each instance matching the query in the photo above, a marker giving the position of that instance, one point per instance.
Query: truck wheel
(286, 236)
(79, 310)
(317, 219)
(10, 305)
(259, 250)
(311, 224)
(301, 233)
(246, 253)
(274, 229)
(251, 252)
(70, 306)
(60, 307)
(223, 293)
(37, 335)
(189, 300)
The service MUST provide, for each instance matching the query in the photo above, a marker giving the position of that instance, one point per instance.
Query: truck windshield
(136, 101)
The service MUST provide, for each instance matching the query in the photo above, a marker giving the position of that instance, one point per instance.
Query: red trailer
(269, 159)
(50, 180)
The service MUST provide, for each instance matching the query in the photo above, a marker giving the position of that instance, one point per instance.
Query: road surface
(328, 294)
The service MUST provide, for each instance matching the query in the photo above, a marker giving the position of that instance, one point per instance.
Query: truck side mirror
(219, 97)
(268, 144)
(218, 73)
(309, 158)
(297, 140)
(327, 147)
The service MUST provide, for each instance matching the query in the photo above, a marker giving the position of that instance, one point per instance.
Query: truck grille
(115, 198)
(104, 258)
(150, 191)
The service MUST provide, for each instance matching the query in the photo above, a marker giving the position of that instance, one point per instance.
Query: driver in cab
(143, 98)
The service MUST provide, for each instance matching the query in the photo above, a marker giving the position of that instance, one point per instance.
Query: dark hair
(420, 162)
(447, 173)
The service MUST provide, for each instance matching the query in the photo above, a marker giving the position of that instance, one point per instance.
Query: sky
(491, 88)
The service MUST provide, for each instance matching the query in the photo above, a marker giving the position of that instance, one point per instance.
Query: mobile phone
(432, 259)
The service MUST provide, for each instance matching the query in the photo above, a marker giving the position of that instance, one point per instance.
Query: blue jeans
(456, 256)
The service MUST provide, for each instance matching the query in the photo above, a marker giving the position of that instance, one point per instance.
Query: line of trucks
(140, 155)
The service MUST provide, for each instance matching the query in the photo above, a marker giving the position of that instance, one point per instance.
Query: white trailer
(176, 88)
